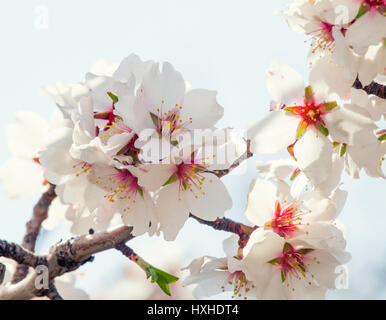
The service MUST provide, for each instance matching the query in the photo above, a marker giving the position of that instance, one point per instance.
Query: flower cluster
(134, 145)
(140, 149)
(296, 252)
(327, 126)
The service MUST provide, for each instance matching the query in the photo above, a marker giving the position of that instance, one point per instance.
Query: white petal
(284, 84)
(204, 202)
(21, 178)
(153, 176)
(26, 135)
(314, 156)
(132, 65)
(261, 202)
(201, 108)
(352, 125)
(273, 133)
(368, 30)
(280, 169)
(172, 211)
(163, 89)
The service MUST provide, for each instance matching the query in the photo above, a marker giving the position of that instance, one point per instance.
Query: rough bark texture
(63, 257)
(374, 88)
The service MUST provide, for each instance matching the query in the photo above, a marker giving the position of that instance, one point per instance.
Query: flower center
(293, 263)
(189, 176)
(286, 220)
(81, 167)
(107, 115)
(311, 113)
(120, 186)
(241, 286)
(169, 122)
(117, 126)
(378, 5)
(322, 37)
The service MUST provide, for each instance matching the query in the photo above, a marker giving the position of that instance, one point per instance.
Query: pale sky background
(219, 45)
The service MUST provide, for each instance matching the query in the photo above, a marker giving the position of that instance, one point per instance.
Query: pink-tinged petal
(273, 133)
(314, 156)
(284, 84)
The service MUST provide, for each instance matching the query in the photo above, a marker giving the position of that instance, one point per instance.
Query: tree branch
(245, 156)
(17, 253)
(374, 88)
(52, 293)
(63, 257)
(228, 225)
(40, 213)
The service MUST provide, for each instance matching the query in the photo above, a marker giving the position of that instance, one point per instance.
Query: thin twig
(246, 155)
(228, 225)
(40, 213)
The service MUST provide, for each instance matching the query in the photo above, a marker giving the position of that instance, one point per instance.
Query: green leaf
(309, 94)
(155, 119)
(362, 10)
(329, 106)
(184, 185)
(293, 110)
(275, 261)
(283, 275)
(162, 278)
(301, 128)
(343, 149)
(305, 251)
(322, 129)
(295, 173)
(301, 267)
(287, 247)
(113, 97)
(172, 178)
(335, 144)
(140, 191)
(382, 137)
